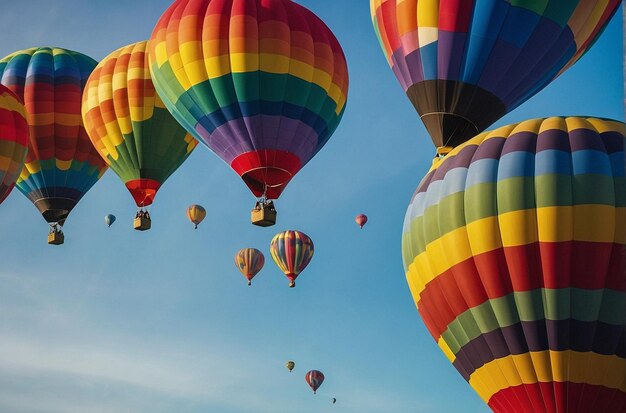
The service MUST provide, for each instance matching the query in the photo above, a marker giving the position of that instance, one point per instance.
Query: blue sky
(127, 322)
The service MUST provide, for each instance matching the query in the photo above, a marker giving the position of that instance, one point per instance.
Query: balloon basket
(263, 216)
(142, 223)
(56, 238)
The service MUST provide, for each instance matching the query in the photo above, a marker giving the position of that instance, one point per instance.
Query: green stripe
(605, 305)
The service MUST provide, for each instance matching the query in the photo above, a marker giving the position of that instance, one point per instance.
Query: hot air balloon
(292, 251)
(62, 164)
(13, 140)
(315, 379)
(361, 220)
(465, 64)
(109, 220)
(249, 261)
(334, 400)
(290, 366)
(130, 127)
(514, 250)
(263, 83)
(196, 214)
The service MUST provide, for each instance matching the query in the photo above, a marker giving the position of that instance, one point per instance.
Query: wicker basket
(263, 217)
(56, 238)
(142, 223)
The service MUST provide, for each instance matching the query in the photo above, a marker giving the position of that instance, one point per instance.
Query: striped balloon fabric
(314, 379)
(292, 251)
(465, 64)
(249, 261)
(13, 140)
(196, 214)
(62, 164)
(263, 83)
(129, 125)
(514, 250)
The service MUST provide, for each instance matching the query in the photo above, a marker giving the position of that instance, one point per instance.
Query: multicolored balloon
(292, 251)
(514, 249)
(290, 366)
(314, 378)
(465, 64)
(249, 261)
(62, 164)
(109, 220)
(263, 83)
(129, 125)
(13, 140)
(196, 214)
(361, 220)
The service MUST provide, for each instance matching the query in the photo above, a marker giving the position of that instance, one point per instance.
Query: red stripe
(516, 269)
(455, 15)
(558, 398)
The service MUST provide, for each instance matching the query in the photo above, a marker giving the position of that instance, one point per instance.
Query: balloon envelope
(262, 83)
(290, 365)
(361, 220)
(129, 125)
(465, 64)
(13, 140)
(62, 164)
(109, 219)
(292, 251)
(514, 250)
(314, 378)
(249, 261)
(196, 214)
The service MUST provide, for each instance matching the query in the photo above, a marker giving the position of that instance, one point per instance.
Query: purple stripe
(261, 132)
(451, 48)
(541, 335)
(553, 139)
(520, 141)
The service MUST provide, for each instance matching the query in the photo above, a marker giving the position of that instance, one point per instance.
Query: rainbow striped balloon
(465, 64)
(514, 247)
(129, 125)
(62, 164)
(292, 251)
(13, 140)
(249, 261)
(263, 83)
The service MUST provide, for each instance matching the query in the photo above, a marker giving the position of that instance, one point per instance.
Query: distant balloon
(249, 261)
(196, 214)
(292, 251)
(334, 400)
(13, 140)
(290, 365)
(62, 164)
(315, 379)
(109, 220)
(361, 220)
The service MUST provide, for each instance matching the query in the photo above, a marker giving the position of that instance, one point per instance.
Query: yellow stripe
(547, 367)
(594, 223)
(446, 349)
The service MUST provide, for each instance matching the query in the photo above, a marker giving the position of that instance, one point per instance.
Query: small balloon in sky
(290, 365)
(361, 220)
(196, 214)
(109, 220)
(314, 378)
(292, 251)
(249, 261)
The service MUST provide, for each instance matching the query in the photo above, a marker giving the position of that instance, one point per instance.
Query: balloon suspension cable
(55, 227)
